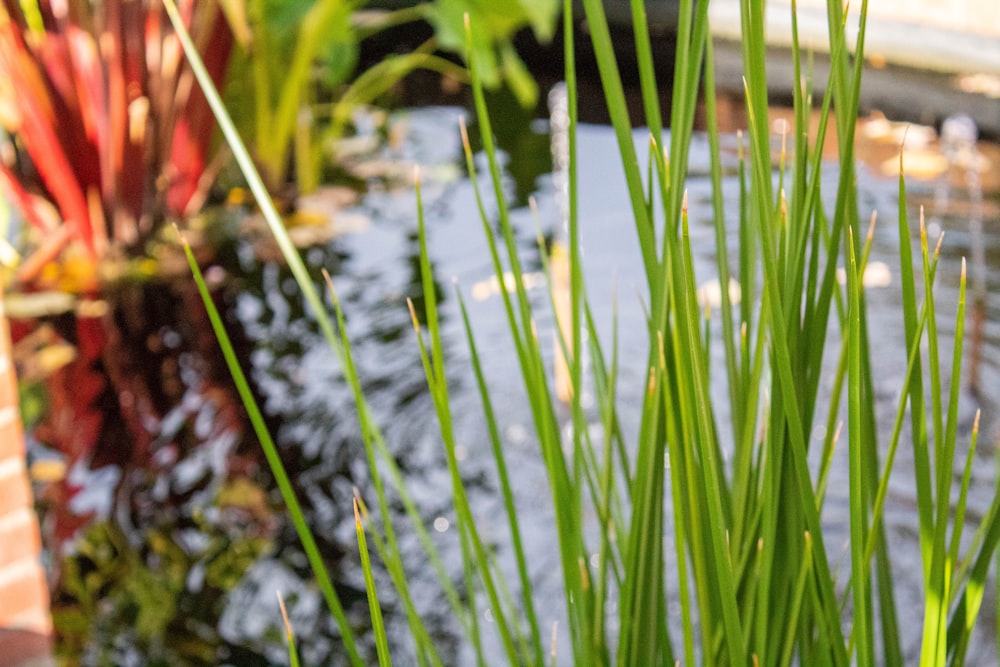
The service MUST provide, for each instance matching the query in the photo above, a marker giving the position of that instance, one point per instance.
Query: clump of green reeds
(753, 575)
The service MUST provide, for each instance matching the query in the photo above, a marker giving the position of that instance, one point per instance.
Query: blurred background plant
(298, 68)
(120, 600)
(108, 138)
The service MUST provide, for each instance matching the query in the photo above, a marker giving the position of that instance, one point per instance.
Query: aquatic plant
(297, 74)
(736, 516)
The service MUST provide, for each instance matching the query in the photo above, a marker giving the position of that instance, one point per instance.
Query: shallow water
(159, 492)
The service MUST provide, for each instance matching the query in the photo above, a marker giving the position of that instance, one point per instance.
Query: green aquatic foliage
(722, 516)
(496, 24)
(298, 76)
(288, 48)
(117, 597)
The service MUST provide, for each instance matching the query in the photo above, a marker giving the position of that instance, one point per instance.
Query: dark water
(167, 540)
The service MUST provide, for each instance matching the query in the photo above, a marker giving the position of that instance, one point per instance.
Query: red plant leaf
(105, 106)
(37, 132)
(25, 202)
(193, 133)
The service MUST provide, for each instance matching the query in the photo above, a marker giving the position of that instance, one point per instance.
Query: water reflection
(163, 506)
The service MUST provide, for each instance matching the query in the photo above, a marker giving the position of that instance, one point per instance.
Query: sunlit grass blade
(293, 654)
(505, 488)
(437, 383)
(692, 37)
(316, 561)
(254, 181)
(915, 386)
(378, 454)
(608, 555)
(521, 326)
(375, 609)
(963, 497)
(578, 306)
(643, 585)
(968, 604)
(933, 648)
(951, 432)
(737, 406)
(912, 365)
(607, 504)
(614, 96)
(863, 632)
(647, 74)
(883, 587)
(426, 652)
(566, 494)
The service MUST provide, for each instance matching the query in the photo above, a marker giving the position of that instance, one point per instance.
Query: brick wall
(24, 596)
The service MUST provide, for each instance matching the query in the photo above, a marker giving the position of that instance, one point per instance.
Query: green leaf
(521, 83)
(494, 26)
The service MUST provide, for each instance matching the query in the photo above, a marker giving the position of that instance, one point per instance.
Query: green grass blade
(277, 467)
(505, 488)
(722, 253)
(614, 96)
(647, 74)
(863, 631)
(643, 585)
(293, 654)
(438, 384)
(970, 601)
(254, 181)
(375, 609)
(584, 450)
(565, 491)
(939, 589)
(426, 652)
(915, 386)
(369, 431)
(607, 554)
(933, 649)
(951, 433)
(883, 489)
(797, 600)
(963, 495)
(377, 452)
(605, 380)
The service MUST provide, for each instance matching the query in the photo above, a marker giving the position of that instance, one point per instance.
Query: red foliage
(102, 102)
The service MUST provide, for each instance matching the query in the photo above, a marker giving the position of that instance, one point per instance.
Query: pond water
(184, 542)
